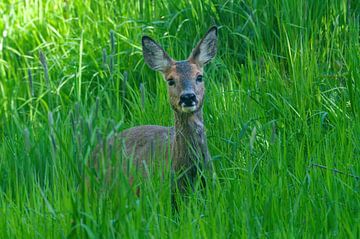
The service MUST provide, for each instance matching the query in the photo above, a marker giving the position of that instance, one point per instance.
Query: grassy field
(282, 114)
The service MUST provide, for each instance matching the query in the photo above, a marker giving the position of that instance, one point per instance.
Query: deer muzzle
(188, 102)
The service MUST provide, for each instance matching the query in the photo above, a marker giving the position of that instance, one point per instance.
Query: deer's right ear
(206, 49)
(155, 57)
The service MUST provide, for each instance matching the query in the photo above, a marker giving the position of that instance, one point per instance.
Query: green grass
(283, 100)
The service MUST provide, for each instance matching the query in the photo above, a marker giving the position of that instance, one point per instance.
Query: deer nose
(188, 99)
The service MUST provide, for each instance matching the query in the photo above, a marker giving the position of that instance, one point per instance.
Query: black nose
(188, 99)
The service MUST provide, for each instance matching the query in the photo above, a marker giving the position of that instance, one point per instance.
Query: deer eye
(171, 82)
(199, 78)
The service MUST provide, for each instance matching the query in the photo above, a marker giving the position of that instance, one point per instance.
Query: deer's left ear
(206, 49)
(156, 58)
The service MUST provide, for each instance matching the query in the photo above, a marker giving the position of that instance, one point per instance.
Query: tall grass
(281, 111)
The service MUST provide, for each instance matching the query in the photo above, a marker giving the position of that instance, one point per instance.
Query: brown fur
(185, 143)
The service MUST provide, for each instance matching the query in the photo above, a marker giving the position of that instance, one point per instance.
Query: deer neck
(190, 145)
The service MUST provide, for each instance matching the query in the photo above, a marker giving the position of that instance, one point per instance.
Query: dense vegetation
(282, 114)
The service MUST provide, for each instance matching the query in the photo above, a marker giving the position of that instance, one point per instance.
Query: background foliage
(282, 117)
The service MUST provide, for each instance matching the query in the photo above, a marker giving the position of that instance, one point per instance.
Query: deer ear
(205, 51)
(155, 57)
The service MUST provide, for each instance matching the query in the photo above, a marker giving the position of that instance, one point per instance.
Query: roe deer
(185, 143)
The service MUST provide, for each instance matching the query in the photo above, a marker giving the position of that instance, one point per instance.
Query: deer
(183, 145)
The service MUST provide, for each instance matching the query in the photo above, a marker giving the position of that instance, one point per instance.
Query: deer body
(185, 143)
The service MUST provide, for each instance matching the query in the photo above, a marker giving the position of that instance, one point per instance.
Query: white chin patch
(188, 109)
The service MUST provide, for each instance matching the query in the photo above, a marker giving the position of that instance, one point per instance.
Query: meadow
(282, 113)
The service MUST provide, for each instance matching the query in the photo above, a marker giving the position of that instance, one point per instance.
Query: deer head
(185, 78)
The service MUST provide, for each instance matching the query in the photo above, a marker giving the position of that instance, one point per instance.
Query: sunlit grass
(281, 112)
